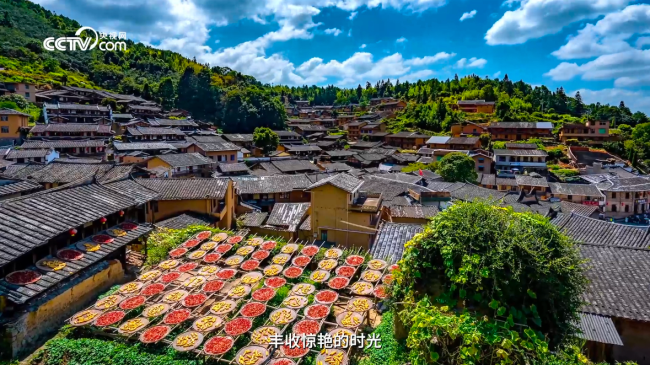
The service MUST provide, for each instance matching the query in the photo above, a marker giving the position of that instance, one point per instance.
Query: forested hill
(239, 102)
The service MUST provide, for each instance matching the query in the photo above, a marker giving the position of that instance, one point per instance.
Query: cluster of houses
(86, 171)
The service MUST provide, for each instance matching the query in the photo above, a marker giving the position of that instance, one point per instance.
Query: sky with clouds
(599, 47)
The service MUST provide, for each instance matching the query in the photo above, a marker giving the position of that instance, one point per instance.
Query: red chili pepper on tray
(326, 296)
(275, 282)
(338, 282)
(188, 267)
(354, 260)
(223, 248)
(218, 345)
(191, 243)
(309, 250)
(261, 255)
(238, 326)
(317, 311)
(253, 309)
(264, 294)
(155, 334)
(178, 252)
(213, 286)
(269, 245)
(307, 327)
(177, 316)
(293, 272)
(346, 271)
(211, 257)
(301, 261)
(194, 300)
(249, 265)
(226, 274)
(169, 277)
(133, 302)
(152, 289)
(295, 351)
(109, 318)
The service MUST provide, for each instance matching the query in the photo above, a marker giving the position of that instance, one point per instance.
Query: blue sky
(600, 47)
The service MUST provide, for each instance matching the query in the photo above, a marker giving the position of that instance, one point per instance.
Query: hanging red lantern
(72, 232)
(102, 219)
(121, 213)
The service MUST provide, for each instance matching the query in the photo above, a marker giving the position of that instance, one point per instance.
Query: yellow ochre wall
(157, 162)
(329, 206)
(14, 123)
(31, 329)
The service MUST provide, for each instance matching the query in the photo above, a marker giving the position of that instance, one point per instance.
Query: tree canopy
(475, 260)
(265, 139)
(457, 167)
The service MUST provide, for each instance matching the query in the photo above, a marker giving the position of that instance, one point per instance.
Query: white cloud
(635, 100)
(617, 66)
(353, 15)
(468, 15)
(642, 42)
(333, 31)
(401, 40)
(496, 74)
(363, 46)
(510, 3)
(471, 63)
(538, 18)
(421, 61)
(350, 32)
(608, 35)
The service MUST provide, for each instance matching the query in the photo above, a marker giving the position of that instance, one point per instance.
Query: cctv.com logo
(85, 44)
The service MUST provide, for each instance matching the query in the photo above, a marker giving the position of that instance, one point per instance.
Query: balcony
(366, 202)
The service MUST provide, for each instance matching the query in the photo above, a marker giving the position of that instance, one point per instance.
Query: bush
(498, 263)
(457, 167)
(392, 352)
(164, 240)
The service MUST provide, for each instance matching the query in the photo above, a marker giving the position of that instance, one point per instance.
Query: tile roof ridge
(618, 247)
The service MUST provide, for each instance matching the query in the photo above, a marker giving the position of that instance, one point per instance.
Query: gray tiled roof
(132, 189)
(413, 211)
(253, 219)
(342, 181)
(304, 148)
(270, 184)
(186, 189)
(598, 329)
(401, 177)
(185, 220)
(287, 166)
(173, 122)
(185, 159)
(530, 146)
(217, 146)
(575, 189)
(337, 166)
(233, 167)
(68, 172)
(632, 184)
(154, 131)
(470, 192)
(25, 153)
(526, 125)
(520, 153)
(142, 146)
(306, 224)
(71, 127)
(582, 209)
(7, 111)
(619, 279)
(205, 139)
(405, 157)
(63, 106)
(340, 153)
(288, 214)
(389, 244)
(15, 187)
(526, 180)
(595, 231)
(409, 135)
(56, 144)
(488, 179)
(239, 137)
(30, 221)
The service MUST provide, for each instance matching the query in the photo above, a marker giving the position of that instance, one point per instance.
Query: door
(323, 235)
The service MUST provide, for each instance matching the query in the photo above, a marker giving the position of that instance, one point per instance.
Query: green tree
(187, 89)
(485, 139)
(417, 166)
(245, 110)
(502, 281)
(265, 139)
(166, 93)
(457, 167)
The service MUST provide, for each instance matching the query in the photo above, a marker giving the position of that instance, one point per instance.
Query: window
(4, 118)
(5, 129)
(627, 208)
(481, 159)
(570, 197)
(284, 195)
(613, 208)
(481, 168)
(602, 130)
(26, 95)
(323, 235)
(232, 157)
(26, 87)
(613, 195)
(154, 206)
